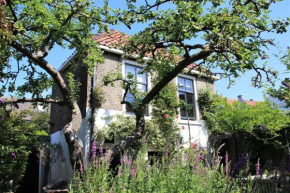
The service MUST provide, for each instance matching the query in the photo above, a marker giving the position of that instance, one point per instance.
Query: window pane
(188, 85)
(129, 97)
(189, 98)
(182, 108)
(183, 112)
(182, 96)
(190, 111)
(142, 78)
(142, 87)
(130, 69)
(181, 85)
(128, 109)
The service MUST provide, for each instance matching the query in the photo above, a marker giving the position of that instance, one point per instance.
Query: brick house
(189, 86)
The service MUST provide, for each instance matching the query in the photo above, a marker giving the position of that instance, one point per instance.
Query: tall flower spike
(13, 155)
(1, 101)
(94, 150)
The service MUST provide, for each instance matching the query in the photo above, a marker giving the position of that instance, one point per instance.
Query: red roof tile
(249, 102)
(115, 38)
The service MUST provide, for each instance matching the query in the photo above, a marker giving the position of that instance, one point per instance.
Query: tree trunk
(129, 140)
(73, 142)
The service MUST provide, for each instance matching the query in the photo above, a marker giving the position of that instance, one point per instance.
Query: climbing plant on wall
(161, 130)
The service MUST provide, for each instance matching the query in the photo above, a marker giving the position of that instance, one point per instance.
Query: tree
(29, 31)
(283, 93)
(205, 34)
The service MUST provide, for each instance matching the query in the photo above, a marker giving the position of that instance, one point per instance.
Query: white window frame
(197, 117)
(149, 85)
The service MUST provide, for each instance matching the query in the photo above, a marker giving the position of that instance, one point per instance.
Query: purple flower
(202, 156)
(1, 101)
(119, 172)
(15, 105)
(94, 150)
(185, 157)
(197, 158)
(258, 169)
(81, 168)
(132, 171)
(227, 163)
(121, 161)
(13, 155)
(243, 159)
(166, 152)
(264, 127)
(285, 84)
(101, 151)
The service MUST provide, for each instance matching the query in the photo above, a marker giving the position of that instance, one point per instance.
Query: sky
(242, 85)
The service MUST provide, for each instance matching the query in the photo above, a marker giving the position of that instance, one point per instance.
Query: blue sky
(242, 85)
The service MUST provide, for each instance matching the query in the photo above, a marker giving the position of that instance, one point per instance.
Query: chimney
(240, 99)
(251, 100)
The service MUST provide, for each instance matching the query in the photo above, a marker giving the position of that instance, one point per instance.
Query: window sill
(191, 122)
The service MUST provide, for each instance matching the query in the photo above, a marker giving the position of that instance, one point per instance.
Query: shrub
(16, 140)
(187, 170)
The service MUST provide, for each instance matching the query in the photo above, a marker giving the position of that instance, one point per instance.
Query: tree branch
(42, 100)
(178, 69)
(12, 11)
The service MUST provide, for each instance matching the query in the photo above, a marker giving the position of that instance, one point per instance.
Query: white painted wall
(198, 129)
(62, 168)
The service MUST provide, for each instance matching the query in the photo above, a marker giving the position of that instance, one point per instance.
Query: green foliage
(34, 28)
(162, 130)
(222, 117)
(164, 125)
(283, 92)
(39, 121)
(228, 34)
(184, 171)
(16, 140)
(73, 86)
(98, 97)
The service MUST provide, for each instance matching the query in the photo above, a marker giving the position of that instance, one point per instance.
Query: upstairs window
(186, 93)
(141, 79)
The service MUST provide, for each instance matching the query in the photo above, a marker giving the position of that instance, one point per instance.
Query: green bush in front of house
(262, 119)
(16, 140)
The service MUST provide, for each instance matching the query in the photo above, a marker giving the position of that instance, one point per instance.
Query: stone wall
(203, 83)
(60, 115)
(113, 94)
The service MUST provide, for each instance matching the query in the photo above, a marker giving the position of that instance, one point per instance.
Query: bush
(16, 140)
(187, 170)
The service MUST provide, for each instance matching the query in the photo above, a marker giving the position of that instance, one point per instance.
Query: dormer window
(186, 93)
(141, 79)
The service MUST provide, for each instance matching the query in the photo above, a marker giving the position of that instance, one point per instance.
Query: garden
(248, 147)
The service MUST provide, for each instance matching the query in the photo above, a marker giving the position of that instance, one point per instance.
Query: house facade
(189, 85)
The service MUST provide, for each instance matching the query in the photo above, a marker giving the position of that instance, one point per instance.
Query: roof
(112, 42)
(249, 102)
(111, 39)
(114, 39)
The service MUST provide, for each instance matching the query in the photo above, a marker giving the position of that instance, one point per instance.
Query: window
(186, 93)
(141, 79)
